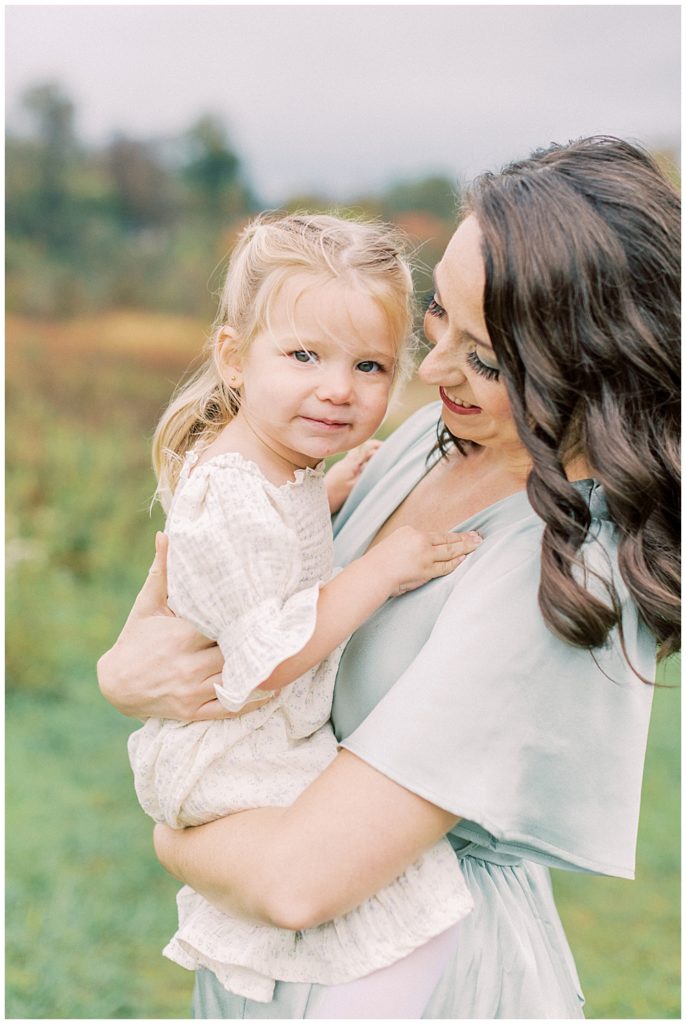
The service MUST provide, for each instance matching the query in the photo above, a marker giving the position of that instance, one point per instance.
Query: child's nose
(336, 386)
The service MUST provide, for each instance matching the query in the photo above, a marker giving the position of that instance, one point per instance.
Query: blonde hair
(271, 249)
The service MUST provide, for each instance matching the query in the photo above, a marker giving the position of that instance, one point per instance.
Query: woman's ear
(227, 357)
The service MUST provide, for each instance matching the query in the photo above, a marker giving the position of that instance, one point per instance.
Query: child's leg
(401, 990)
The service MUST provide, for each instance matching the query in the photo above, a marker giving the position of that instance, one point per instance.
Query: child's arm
(402, 562)
(345, 473)
(235, 560)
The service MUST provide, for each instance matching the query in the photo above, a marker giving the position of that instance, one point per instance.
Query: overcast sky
(341, 99)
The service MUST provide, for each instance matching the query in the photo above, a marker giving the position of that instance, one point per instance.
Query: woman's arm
(350, 833)
(159, 665)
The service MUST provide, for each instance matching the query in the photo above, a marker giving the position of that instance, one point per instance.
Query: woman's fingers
(199, 700)
(212, 710)
(194, 697)
(209, 662)
(152, 597)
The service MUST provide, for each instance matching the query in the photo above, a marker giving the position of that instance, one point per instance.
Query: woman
(506, 705)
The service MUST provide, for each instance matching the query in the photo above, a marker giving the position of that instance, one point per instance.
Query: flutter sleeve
(234, 571)
(538, 746)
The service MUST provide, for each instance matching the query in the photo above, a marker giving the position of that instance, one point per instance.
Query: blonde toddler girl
(313, 333)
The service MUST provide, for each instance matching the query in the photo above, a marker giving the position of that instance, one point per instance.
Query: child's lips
(326, 424)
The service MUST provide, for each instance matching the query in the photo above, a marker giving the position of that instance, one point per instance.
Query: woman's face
(462, 363)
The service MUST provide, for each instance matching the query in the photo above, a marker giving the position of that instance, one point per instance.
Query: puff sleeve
(234, 573)
(537, 745)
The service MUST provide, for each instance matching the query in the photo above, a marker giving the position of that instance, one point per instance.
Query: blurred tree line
(147, 223)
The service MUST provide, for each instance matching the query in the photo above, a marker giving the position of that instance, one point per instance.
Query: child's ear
(227, 357)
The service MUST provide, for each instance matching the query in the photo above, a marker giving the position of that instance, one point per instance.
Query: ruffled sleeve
(234, 570)
(537, 745)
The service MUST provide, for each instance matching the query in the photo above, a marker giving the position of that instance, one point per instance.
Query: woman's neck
(510, 464)
(515, 463)
(456, 488)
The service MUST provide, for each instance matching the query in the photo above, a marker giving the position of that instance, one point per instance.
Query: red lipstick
(462, 410)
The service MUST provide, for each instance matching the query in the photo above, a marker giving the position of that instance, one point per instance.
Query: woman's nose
(440, 367)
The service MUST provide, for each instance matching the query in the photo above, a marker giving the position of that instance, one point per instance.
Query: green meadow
(87, 906)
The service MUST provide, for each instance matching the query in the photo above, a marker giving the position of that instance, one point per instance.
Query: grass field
(88, 908)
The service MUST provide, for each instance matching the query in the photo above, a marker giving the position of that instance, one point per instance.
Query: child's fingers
(456, 544)
(445, 568)
(365, 451)
(371, 446)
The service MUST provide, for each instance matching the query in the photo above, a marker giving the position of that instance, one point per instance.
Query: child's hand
(343, 476)
(412, 557)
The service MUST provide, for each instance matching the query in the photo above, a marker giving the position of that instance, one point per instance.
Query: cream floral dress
(246, 561)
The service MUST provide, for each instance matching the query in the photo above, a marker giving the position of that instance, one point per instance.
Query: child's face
(318, 381)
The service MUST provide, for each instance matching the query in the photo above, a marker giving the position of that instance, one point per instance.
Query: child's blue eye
(369, 366)
(303, 356)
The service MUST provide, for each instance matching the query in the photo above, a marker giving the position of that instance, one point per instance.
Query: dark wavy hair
(581, 246)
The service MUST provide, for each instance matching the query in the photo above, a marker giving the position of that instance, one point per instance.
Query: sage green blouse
(461, 693)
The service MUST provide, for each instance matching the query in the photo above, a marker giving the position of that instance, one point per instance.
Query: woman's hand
(161, 666)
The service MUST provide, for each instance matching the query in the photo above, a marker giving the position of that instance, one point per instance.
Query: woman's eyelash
(432, 307)
(489, 372)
